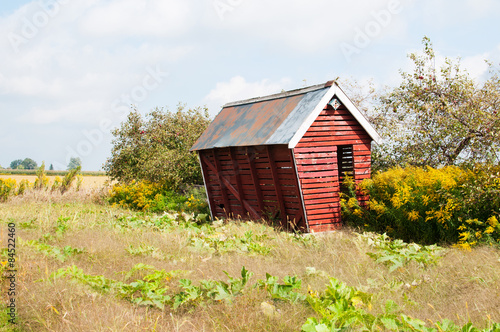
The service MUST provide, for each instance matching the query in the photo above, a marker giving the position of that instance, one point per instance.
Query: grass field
(75, 231)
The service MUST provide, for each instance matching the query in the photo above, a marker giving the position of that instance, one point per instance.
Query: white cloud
(307, 26)
(239, 89)
(60, 73)
(78, 111)
(125, 18)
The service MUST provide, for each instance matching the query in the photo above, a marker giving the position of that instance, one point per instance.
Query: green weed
(217, 242)
(61, 254)
(396, 253)
(209, 290)
(285, 291)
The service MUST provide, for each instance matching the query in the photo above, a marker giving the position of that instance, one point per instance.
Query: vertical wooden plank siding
(277, 187)
(237, 176)
(226, 206)
(316, 157)
(253, 182)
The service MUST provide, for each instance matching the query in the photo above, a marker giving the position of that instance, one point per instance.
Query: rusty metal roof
(275, 119)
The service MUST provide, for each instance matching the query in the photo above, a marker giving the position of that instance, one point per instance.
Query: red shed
(282, 157)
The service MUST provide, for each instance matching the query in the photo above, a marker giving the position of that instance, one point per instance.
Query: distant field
(6, 171)
(89, 181)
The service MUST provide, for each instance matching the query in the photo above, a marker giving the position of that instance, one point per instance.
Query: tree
(440, 117)
(16, 163)
(74, 163)
(156, 148)
(29, 163)
(51, 168)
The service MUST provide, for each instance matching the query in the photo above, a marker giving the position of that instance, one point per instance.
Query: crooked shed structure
(283, 157)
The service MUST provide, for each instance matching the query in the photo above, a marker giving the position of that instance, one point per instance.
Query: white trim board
(334, 90)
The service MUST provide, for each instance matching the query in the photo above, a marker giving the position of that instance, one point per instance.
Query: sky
(70, 71)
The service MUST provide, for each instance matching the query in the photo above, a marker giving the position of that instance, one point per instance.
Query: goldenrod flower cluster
(428, 205)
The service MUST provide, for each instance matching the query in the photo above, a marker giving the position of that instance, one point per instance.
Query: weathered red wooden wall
(316, 158)
(253, 182)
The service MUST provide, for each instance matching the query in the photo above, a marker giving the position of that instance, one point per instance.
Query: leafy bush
(428, 205)
(156, 148)
(153, 197)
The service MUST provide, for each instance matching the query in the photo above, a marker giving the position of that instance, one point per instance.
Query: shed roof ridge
(280, 95)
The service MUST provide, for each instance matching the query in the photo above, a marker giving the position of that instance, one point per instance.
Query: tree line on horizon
(30, 164)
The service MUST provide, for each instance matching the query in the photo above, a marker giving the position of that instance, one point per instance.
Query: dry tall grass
(463, 286)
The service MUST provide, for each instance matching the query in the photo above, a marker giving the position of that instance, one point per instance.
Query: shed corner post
(209, 198)
(299, 185)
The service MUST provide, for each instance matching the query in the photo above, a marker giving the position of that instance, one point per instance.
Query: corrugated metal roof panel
(284, 133)
(260, 121)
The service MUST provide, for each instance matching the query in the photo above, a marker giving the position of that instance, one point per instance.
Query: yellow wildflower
(352, 203)
(463, 246)
(492, 221)
(464, 236)
(358, 213)
(377, 207)
(396, 202)
(413, 215)
(425, 200)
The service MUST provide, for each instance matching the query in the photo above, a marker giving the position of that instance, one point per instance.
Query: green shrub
(152, 197)
(156, 148)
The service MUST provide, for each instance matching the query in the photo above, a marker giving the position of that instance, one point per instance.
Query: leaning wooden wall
(252, 183)
(316, 158)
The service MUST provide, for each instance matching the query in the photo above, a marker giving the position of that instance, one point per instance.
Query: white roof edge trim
(358, 115)
(335, 90)
(312, 116)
